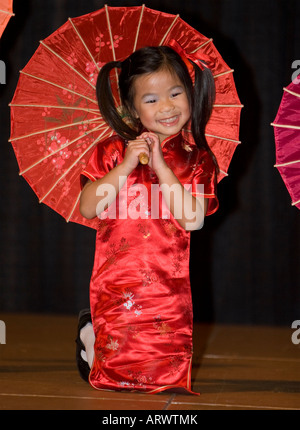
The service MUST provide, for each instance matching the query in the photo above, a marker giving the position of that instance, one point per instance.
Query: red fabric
(140, 290)
(6, 12)
(287, 132)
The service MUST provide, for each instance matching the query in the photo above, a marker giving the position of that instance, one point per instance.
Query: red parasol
(56, 123)
(6, 12)
(287, 140)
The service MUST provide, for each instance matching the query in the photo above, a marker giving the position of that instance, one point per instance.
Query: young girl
(141, 332)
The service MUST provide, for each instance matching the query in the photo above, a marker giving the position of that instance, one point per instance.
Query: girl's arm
(188, 210)
(109, 186)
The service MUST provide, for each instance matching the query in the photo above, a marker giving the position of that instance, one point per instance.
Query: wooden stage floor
(235, 367)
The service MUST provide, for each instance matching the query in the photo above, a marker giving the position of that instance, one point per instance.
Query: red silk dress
(140, 292)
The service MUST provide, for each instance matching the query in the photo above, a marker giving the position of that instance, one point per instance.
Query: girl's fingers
(151, 138)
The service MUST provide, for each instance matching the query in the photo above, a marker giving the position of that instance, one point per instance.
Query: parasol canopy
(55, 119)
(6, 12)
(287, 140)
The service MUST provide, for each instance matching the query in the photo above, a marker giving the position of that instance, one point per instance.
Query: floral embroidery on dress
(104, 230)
(125, 384)
(144, 230)
(169, 227)
(186, 146)
(130, 303)
(182, 354)
(106, 343)
(175, 362)
(128, 296)
(187, 309)
(149, 277)
(100, 355)
(163, 328)
(112, 344)
(139, 380)
(133, 331)
(177, 260)
(114, 250)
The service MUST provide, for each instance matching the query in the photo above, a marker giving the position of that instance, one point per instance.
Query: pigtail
(202, 106)
(107, 104)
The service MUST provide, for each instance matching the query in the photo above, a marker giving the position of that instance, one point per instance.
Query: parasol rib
(294, 127)
(223, 73)
(287, 164)
(35, 133)
(66, 63)
(201, 46)
(291, 92)
(60, 149)
(169, 29)
(74, 164)
(74, 207)
(84, 44)
(224, 173)
(112, 45)
(233, 106)
(223, 138)
(88, 110)
(59, 86)
(110, 33)
(7, 12)
(138, 28)
(295, 203)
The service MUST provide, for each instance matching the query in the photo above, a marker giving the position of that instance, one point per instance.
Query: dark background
(245, 261)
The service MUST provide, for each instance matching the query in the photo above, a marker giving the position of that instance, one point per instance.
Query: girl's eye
(177, 93)
(150, 100)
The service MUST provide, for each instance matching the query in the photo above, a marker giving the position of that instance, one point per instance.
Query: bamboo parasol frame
(83, 103)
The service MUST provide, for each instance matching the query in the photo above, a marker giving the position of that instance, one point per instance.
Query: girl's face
(161, 103)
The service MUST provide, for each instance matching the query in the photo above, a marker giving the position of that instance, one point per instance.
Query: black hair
(147, 60)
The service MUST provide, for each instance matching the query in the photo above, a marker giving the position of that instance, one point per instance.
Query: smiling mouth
(169, 121)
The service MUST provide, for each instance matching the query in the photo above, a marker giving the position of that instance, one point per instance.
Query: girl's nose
(166, 105)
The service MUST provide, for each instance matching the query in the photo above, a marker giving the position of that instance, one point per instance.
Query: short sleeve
(104, 158)
(204, 181)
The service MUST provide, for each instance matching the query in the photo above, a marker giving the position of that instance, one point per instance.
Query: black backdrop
(245, 261)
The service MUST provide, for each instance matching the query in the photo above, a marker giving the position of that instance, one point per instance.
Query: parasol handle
(143, 158)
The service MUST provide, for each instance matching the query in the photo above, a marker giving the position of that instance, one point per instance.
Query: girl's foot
(85, 344)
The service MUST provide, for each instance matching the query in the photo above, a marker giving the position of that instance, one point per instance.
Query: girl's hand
(133, 150)
(156, 159)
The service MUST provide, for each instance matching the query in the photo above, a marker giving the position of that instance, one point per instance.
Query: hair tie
(200, 62)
